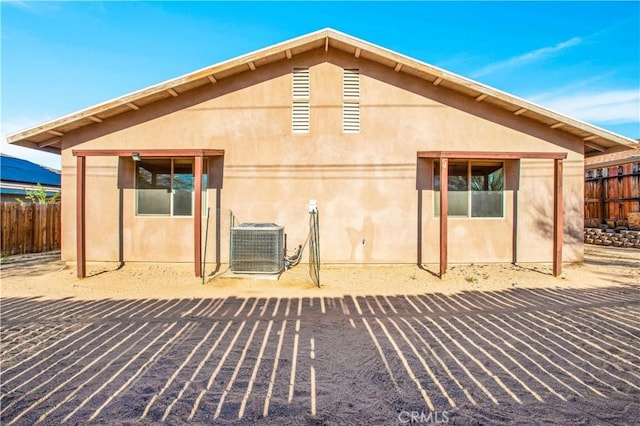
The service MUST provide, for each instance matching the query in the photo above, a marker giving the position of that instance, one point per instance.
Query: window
(487, 189)
(458, 188)
(351, 101)
(476, 188)
(300, 110)
(164, 187)
(182, 187)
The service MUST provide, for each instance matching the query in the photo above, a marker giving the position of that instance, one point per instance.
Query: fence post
(29, 228)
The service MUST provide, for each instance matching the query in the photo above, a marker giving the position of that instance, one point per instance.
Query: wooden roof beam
(326, 44)
(288, 53)
(491, 155)
(147, 152)
(437, 81)
(590, 138)
(557, 125)
(481, 97)
(55, 133)
(594, 146)
(252, 66)
(398, 67)
(358, 52)
(212, 79)
(520, 111)
(173, 93)
(133, 106)
(95, 119)
(49, 142)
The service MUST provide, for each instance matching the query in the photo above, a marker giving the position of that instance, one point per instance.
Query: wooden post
(444, 214)
(121, 227)
(197, 216)
(557, 217)
(80, 217)
(419, 246)
(601, 183)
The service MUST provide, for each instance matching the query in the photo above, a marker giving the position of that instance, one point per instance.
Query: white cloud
(528, 57)
(605, 106)
(19, 3)
(31, 6)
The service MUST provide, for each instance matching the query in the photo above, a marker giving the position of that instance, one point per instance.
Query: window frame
(469, 190)
(172, 189)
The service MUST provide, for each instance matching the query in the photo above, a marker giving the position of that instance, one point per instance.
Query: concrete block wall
(611, 237)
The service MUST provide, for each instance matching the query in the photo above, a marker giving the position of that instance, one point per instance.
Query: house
(612, 189)
(17, 176)
(367, 133)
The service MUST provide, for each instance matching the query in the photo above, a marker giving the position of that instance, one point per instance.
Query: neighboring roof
(16, 170)
(47, 136)
(18, 192)
(606, 160)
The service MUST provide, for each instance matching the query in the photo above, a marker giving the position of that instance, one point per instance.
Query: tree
(39, 195)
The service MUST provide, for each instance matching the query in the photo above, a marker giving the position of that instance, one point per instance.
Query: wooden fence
(29, 228)
(612, 194)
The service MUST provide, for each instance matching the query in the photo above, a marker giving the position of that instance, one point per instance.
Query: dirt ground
(46, 276)
(492, 344)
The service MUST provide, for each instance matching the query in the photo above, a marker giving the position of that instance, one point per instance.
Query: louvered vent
(351, 101)
(300, 117)
(301, 83)
(351, 84)
(300, 110)
(351, 117)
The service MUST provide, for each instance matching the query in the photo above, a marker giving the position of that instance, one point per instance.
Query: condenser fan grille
(257, 248)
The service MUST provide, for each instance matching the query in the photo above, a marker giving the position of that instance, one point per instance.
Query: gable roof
(21, 171)
(613, 159)
(47, 136)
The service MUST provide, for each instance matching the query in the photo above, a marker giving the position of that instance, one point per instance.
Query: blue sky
(580, 59)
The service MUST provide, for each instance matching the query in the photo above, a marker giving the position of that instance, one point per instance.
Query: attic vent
(351, 101)
(300, 117)
(301, 83)
(351, 117)
(351, 84)
(300, 110)
(257, 248)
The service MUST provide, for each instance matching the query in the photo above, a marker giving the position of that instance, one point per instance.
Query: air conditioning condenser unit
(257, 248)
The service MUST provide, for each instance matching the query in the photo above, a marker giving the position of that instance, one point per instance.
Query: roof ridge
(48, 135)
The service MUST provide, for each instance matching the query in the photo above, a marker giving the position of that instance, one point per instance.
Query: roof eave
(597, 140)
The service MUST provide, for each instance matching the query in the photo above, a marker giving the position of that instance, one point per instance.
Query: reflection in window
(487, 189)
(153, 183)
(458, 188)
(165, 187)
(182, 187)
(479, 184)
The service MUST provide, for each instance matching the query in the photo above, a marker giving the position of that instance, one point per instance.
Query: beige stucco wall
(365, 184)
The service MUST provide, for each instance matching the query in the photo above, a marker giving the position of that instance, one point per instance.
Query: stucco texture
(372, 190)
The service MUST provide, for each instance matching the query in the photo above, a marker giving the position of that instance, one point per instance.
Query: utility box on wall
(257, 248)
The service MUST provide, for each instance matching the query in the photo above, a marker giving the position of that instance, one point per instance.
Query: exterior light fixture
(135, 156)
